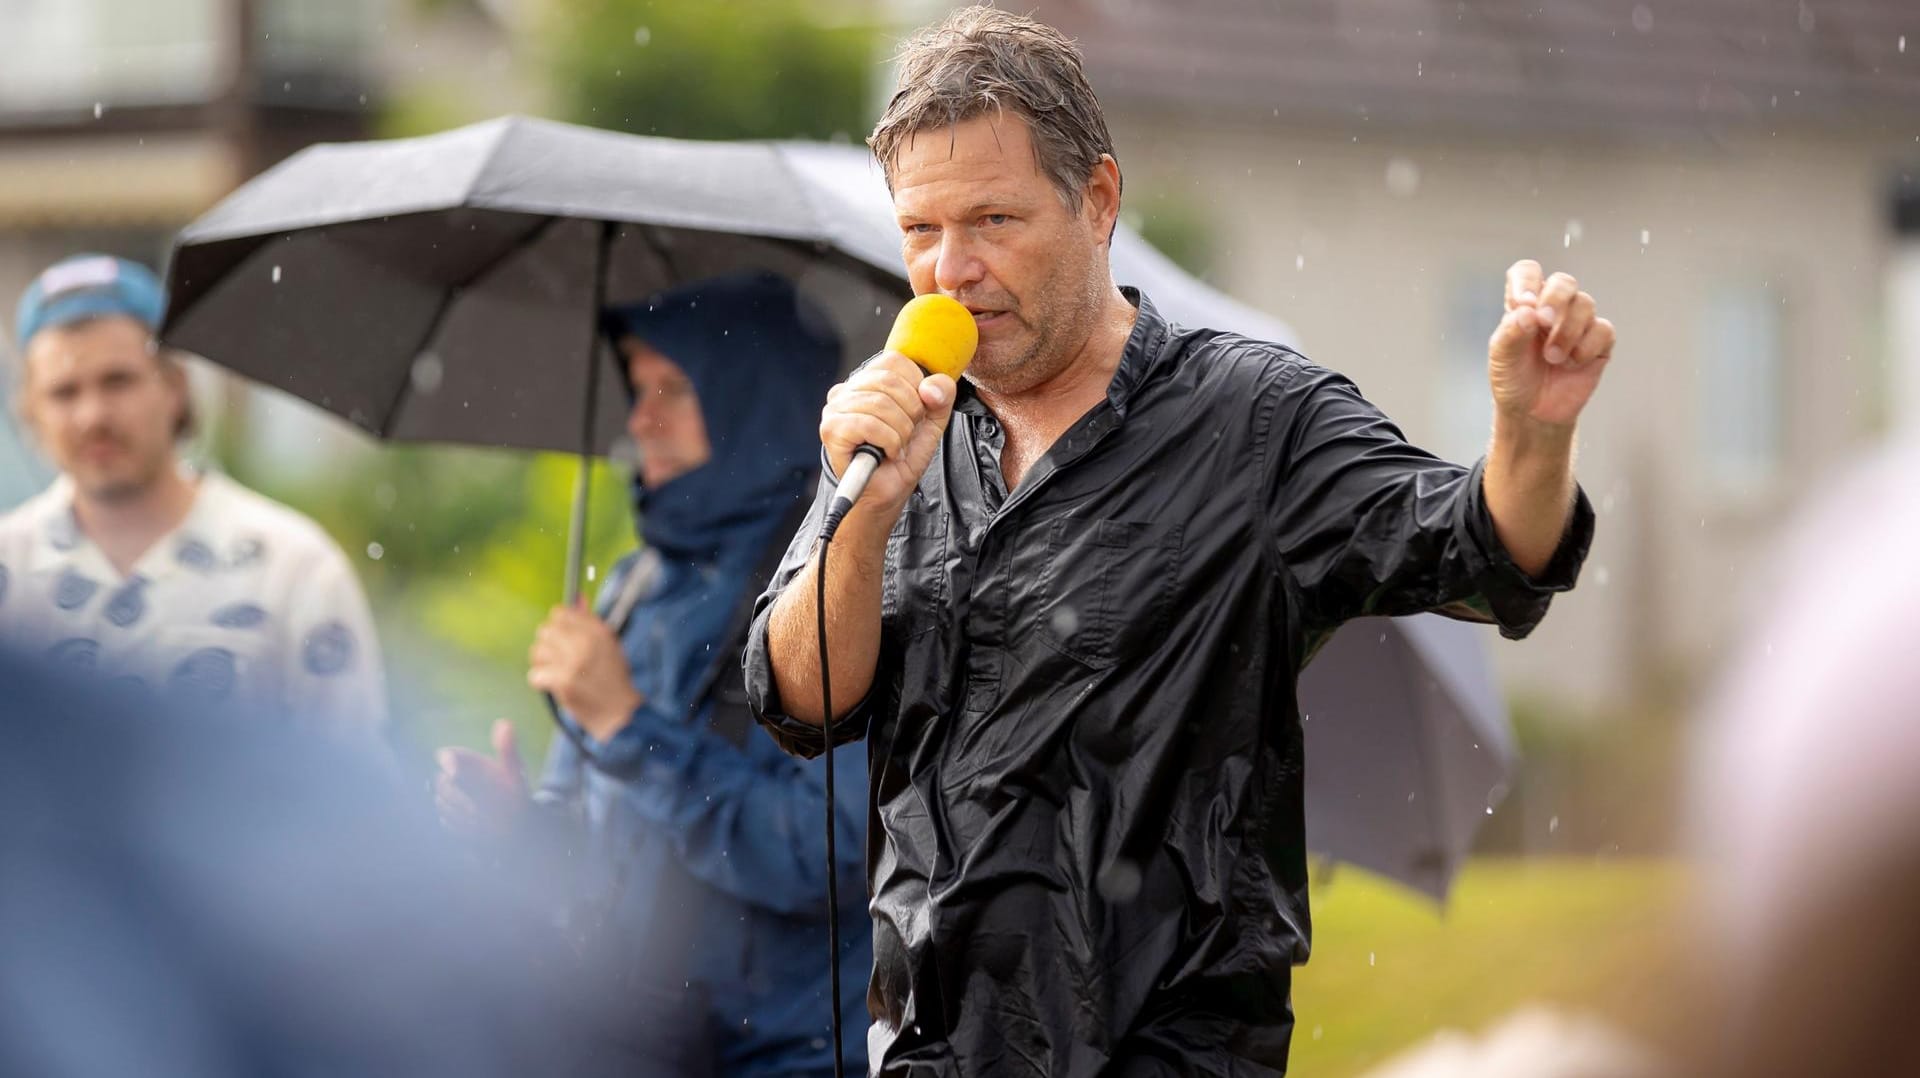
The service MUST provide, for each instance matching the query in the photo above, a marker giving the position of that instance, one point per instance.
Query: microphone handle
(859, 470)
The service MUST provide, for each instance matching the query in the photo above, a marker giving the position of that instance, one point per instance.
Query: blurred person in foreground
(701, 864)
(169, 581)
(1805, 819)
(1070, 623)
(190, 892)
(1806, 801)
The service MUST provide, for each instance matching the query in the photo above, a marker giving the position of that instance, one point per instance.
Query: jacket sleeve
(750, 824)
(1365, 523)
(797, 737)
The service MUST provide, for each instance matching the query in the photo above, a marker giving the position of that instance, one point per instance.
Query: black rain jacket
(1086, 854)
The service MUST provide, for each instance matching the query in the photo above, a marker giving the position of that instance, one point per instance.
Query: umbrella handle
(577, 530)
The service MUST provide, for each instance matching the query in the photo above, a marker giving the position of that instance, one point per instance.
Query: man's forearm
(1529, 489)
(854, 568)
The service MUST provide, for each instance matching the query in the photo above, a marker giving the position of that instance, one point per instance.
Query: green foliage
(1389, 970)
(1175, 226)
(1601, 784)
(714, 69)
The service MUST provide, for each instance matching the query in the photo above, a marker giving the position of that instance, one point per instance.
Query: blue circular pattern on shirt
(75, 653)
(247, 552)
(328, 650)
(195, 554)
(206, 676)
(128, 604)
(72, 590)
(241, 615)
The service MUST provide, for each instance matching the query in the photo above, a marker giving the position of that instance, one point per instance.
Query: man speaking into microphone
(1069, 610)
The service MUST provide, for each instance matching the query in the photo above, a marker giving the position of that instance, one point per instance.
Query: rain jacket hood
(752, 347)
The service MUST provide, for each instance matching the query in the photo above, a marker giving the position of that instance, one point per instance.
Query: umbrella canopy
(1408, 747)
(445, 288)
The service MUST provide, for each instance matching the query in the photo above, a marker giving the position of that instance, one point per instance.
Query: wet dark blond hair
(982, 60)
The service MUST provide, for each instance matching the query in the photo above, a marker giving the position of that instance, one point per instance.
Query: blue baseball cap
(89, 286)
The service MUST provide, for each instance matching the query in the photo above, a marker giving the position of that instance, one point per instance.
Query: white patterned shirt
(245, 604)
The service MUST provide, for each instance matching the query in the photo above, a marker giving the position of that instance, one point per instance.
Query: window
(66, 55)
(1740, 395)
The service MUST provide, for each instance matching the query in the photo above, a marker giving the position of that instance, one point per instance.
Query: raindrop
(1064, 621)
(1642, 18)
(1806, 17)
(1370, 959)
(100, 108)
(276, 275)
(642, 35)
(1646, 236)
(1575, 229)
(1601, 576)
(819, 1044)
(1566, 240)
(376, 551)
(1553, 825)
(1403, 177)
(1411, 795)
(1299, 262)
(1316, 1032)
(1119, 881)
(1489, 810)
(593, 571)
(1903, 43)
(428, 372)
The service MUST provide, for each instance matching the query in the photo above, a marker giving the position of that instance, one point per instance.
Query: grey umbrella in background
(1407, 738)
(445, 288)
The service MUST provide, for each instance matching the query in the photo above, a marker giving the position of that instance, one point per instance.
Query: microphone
(938, 333)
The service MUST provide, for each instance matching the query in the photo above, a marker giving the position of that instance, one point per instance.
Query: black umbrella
(447, 288)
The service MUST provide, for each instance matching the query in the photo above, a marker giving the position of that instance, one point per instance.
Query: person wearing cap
(160, 578)
(697, 848)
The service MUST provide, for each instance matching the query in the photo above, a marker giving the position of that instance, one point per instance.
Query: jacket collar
(1145, 346)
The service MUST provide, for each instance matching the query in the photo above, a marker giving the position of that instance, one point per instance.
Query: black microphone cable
(836, 512)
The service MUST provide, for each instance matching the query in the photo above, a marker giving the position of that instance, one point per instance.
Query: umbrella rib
(447, 298)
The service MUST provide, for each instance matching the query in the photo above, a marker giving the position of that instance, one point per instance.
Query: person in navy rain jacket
(696, 847)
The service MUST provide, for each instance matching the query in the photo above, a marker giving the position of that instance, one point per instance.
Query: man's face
(103, 405)
(666, 424)
(980, 222)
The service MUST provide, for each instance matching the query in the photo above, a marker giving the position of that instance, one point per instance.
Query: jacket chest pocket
(1104, 588)
(913, 589)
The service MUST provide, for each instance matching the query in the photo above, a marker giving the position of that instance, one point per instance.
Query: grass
(1390, 969)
